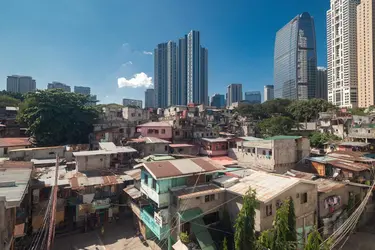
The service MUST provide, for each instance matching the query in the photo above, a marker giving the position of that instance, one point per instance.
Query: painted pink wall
(145, 132)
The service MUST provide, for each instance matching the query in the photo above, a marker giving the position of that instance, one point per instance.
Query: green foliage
(314, 240)
(281, 229)
(279, 125)
(292, 233)
(55, 117)
(244, 236)
(265, 110)
(14, 95)
(358, 111)
(317, 139)
(184, 237)
(8, 101)
(308, 110)
(225, 244)
(265, 240)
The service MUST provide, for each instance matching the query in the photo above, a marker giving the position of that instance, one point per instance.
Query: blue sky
(95, 42)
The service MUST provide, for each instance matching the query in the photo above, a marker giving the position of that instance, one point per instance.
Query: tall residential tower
(20, 84)
(268, 93)
(342, 73)
(321, 83)
(234, 93)
(295, 59)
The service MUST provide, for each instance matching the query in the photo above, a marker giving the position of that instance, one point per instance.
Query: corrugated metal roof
(109, 146)
(283, 137)
(135, 174)
(191, 192)
(267, 186)
(215, 139)
(224, 160)
(251, 138)
(93, 152)
(174, 168)
(181, 145)
(133, 192)
(156, 124)
(354, 144)
(14, 142)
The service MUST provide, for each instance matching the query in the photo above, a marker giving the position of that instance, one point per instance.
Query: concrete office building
(132, 102)
(150, 98)
(295, 59)
(82, 90)
(253, 97)
(58, 85)
(321, 83)
(365, 49)
(342, 75)
(165, 74)
(234, 93)
(268, 93)
(182, 71)
(20, 84)
(218, 101)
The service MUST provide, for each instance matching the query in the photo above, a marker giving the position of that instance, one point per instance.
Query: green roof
(283, 137)
(190, 214)
(203, 236)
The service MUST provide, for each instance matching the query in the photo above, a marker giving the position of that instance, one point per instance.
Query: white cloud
(147, 53)
(138, 80)
(127, 63)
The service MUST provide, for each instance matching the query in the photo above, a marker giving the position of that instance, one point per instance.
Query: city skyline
(87, 59)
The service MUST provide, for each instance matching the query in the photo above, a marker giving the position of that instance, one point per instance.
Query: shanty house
(7, 144)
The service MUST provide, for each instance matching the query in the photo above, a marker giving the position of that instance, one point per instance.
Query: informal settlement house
(271, 191)
(336, 200)
(7, 144)
(14, 184)
(277, 154)
(162, 130)
(159, 180)
(149, 145)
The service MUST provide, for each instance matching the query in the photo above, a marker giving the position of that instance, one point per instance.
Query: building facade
(342, 53)
(218, 101)
(268, 93)
(253, 97)
(182, 71)
(321, 83)
(234, 93)
(58, 85)
(20, 84)
(131, 102)
(82, 90)
(295, 59)
(365, 49)
(150, 98)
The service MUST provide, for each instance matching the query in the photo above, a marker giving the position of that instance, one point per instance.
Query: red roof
(14, 142)
(181, 145)
(224, 160)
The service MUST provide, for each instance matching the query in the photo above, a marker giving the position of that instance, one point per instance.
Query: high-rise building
(342, 75)
(366, 50)
(82, 90)
(165, 78)
(321, 83)
(295, 59)
(131, 102)
(150, 98)
(268, 93)
(58, 85)
(234, 93)
(253, 97)
(218, 101)
(20, 84)
(181, 72)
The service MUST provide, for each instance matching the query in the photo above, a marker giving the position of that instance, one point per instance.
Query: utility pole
(51, 231)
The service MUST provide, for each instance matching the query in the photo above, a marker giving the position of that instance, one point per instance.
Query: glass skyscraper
(295, 59)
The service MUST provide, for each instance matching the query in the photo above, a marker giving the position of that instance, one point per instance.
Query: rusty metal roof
(133, 192)
(348, 165)
(267, 186)
(224, 160)
(181, 145)
(181, 167)
(14, 142)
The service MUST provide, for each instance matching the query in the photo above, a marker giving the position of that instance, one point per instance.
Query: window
(133, 114)
(208, 178)
(303, 198)
(166, 148)
(209, 198)
(163, 131)
(269, 210)
(154, 184)
(146, 179)
(139, 115)
(156, 131)
(177, 133)
(150, 131)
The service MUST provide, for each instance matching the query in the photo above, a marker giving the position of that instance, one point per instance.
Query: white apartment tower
(342, 53)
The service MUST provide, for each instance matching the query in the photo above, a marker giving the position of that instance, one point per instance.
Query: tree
(281, 229)
(55, 117)
(308, 110)
(265, 240)
(15, 95)
(244, 236)
(8, 101)
(314, 240)
(279, 125)
(292, 233)
(317, 139)
(225, 244)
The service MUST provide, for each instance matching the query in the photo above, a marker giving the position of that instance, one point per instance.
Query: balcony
(161, 231)
(161, 199)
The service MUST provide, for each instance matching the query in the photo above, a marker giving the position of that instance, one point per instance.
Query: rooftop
(93, 152)
(348, 164)
(251, 138)
(150, 140)
(198, 191)
(181, 167)
(111, 147)
(283, 137)
(155, 124)
(15, 142)
(354, 144)
(215, 139)
(224, 160)
(13, 184)
(181, 145)
(267, 186)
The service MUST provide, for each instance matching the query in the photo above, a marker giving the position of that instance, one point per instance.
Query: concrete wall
(368, 133)
(135, 114)
(150, 132)
(155, 148)
(36, 153)
(92, 162)
(5, 154)
(198, 201)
